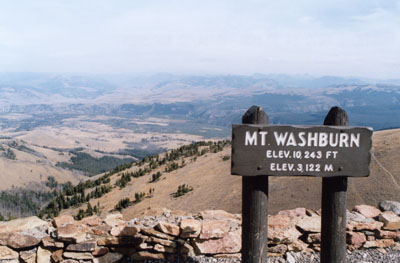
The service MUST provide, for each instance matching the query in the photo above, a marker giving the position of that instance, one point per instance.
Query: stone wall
(212, 233)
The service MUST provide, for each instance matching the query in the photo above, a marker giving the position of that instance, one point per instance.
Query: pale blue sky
(331, 37)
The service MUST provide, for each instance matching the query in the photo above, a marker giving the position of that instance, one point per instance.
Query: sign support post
(254, 204)
(333, 205)
(334, 152)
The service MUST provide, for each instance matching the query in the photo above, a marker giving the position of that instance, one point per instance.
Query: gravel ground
(359, 256)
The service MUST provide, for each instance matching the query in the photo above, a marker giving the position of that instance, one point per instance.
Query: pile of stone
(112, 239)
(212, 233)
(299, 230)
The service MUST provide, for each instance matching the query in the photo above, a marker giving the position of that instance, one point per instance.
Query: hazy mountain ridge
(33, 88)
(216, 100)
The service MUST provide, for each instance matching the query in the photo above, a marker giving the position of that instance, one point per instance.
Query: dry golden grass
(81, 132)
(74, 133)
(215, 188)
(29, 169)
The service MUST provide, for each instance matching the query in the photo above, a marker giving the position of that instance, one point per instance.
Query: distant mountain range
(216, 100)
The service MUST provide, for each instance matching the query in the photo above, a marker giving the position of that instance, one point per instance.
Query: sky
(330, 37)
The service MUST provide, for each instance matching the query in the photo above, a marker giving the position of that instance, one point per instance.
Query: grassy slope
(29, 168)
(215, 188)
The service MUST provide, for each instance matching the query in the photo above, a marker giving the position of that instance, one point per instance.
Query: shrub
(182, 190)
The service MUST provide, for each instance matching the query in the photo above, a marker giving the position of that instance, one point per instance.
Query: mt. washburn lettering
(302, 139)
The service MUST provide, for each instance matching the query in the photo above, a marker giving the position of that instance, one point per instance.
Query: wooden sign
(324, 151)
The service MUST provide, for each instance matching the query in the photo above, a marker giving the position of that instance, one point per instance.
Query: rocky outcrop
(211, 233)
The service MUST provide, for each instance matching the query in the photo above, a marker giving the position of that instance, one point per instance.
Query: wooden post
(334, 199)
(254, 204)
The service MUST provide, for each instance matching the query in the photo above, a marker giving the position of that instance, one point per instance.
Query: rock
(91, 221)
(367, 211)
(116, 230)
(71, 233)
(69, 261)
(124, 240)
(357, 217)
(214, 229)
(49, 242)
(57, 255)
(381, 243)
(297, 212)
(101, 230)
(290, 258)
(78, 255)
(144, 246)
(390, 220)
(190, 228)
(108, 258)
(278, 249)
(218, 215)
(283, 236)
(8, 254)
(234, 256)
(314, 238)
(390, 206)
(100, 251)
(316, 248)
(298, 246)
(21, 241)
(162, 249)
(63, 220)
(396, 247)
(310, 212)
(4, 239)
(356, 239)
(23, 224)
(43, 255)
(279, 221)
(28, 256)
(369, 233)
(82, 247)
(33, 226)
(187, 249)
(143, 255)
(113, 219)
(10, 261)
(283, 231)
(124, 250)
(124, 230)
(231, 243)
(160, 241)
(168, 228)
(388, 235)
(310, 224)
(370, 244)
(153, 232)
(374, 225)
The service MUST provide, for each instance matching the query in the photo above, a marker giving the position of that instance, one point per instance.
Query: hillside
(26, 165)
(215, 188)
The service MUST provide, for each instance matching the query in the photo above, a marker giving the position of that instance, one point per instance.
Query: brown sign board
(323, 151)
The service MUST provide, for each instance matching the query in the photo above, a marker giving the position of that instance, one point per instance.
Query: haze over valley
(70, 127)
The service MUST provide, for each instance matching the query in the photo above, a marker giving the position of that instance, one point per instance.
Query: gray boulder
(390, 206)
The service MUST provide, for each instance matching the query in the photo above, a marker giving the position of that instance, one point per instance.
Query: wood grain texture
(254, 204)
(334, 198)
